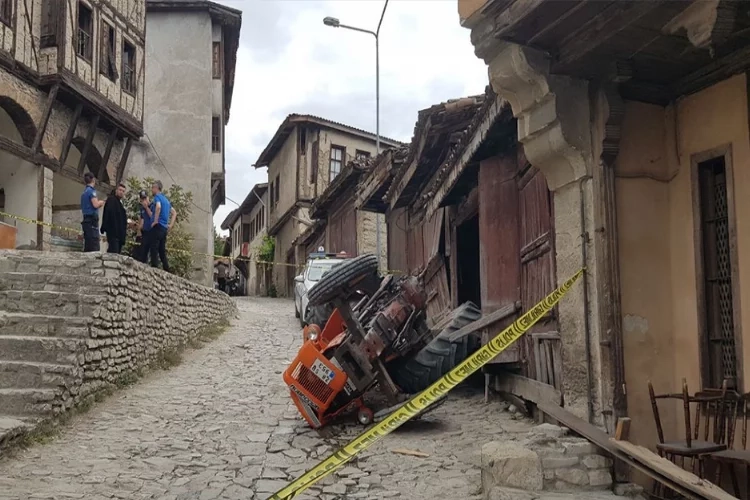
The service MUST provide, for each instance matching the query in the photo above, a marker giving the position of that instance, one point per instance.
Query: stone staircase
(43, 334)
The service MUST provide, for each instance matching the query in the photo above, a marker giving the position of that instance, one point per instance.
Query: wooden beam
(719, 69)
(107, 152)
(122, 167)
(87, 145)
(514, 15)
(684, 478)
(25, 153)
(485, 321)
(622, 432)
(45, 118)
(602, 27)
(69, 135)
(526, 388)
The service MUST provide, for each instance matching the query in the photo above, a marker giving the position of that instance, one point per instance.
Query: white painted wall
(18, 178)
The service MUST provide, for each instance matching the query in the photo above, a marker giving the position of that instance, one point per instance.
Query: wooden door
(342, 230)
(435, 277)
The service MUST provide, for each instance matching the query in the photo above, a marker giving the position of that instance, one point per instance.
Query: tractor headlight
(313, 335)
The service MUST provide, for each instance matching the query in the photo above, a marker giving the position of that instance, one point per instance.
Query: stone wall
(73, 324)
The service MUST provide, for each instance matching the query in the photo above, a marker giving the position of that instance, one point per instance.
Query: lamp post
(335, 23)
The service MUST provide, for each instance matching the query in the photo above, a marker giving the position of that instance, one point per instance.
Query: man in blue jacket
(162, 221)
(90, 205)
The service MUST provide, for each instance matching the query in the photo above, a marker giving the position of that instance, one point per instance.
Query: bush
(180, 240)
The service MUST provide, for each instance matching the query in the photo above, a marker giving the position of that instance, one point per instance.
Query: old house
(191, 55)
(344, 227)
(71, 101)
(247, 229)
(636, 116)
(304, 156)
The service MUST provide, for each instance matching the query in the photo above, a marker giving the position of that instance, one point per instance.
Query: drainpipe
(586, 303)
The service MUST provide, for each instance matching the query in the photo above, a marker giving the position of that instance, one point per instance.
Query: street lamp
(335, 23)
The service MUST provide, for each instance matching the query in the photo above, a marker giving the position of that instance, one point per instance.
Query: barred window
(128, 67)
(85, 37)
(337, 160)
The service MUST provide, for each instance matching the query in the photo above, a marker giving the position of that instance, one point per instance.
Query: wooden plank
(485, 321)
(69, 135)
(107, 154)
(528, 389)
(677, 474)
(622, 432)
(122, 167)
(45, 118)
(87, 146)
(603, 441)
(25, 153)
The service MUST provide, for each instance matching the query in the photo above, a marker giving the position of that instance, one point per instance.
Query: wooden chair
(731, 459)
(708, 435)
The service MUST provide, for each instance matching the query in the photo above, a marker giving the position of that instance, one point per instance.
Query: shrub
(180, 240)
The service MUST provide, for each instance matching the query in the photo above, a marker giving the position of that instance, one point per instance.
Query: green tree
(219, 242)
(180, 240)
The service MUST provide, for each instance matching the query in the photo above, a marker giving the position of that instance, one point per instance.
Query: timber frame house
(71, 98)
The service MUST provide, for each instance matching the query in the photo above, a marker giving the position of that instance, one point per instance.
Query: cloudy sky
(290, 62)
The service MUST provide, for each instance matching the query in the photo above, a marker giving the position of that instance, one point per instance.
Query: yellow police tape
(425, 398)
(135, 243)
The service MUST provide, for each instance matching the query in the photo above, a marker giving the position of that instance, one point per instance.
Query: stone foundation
(74, 324)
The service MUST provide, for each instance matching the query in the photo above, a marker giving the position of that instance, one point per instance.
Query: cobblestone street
(221, 425)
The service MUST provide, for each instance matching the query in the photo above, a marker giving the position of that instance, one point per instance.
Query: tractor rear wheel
(342, 279)
(440, 356)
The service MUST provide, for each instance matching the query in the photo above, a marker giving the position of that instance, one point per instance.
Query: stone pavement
(221, 425)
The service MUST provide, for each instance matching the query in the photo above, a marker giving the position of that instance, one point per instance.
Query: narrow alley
(221, 425)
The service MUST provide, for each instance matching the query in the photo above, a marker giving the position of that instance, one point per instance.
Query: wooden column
(69, 135)
(45, 118)
(87, 145)
(122, 167)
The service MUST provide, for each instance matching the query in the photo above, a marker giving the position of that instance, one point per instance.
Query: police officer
(90, 205)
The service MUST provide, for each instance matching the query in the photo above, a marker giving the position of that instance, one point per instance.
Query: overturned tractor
(375, 336)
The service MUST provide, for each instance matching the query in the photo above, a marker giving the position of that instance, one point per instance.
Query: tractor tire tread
(329, 286)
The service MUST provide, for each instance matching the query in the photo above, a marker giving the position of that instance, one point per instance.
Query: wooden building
(636, 116)
(71, 101)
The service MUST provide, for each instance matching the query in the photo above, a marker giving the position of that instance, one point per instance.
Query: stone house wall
(97, 318)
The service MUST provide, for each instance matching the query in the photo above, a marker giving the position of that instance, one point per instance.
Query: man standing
(90, 205)
(163, 220)
(142, 239)
(115, 220)
(221, 269)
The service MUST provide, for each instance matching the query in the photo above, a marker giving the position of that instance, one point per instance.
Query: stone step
(33, 375)
(54, 282)
(28, 402)
(49, 303)
(12, 427)
(39, 325)
(41, 349)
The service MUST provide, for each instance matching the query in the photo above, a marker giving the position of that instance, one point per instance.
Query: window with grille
(246, 233)
(720, 349)
(48, 34)
(271, 194)
(107, 62)
(362, 155)
(216, 134)
(128, 67)
(277, 190)
(84, 40)
(217, 60)
(337, 161)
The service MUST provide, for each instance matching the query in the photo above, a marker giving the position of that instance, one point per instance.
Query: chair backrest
(740, 418)
(714, 409)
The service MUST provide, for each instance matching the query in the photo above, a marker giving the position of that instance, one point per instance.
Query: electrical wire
(171, 177)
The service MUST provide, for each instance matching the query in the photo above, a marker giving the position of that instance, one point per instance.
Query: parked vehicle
(382, 341)
(318, 264)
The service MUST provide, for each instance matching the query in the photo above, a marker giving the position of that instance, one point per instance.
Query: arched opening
(18, 177)
(66, 195)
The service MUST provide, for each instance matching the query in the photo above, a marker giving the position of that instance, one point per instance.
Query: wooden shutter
(49, 23)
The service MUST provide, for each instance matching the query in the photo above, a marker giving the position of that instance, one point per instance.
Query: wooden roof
(657, 50)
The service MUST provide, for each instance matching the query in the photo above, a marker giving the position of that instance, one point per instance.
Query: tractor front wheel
(342, 280)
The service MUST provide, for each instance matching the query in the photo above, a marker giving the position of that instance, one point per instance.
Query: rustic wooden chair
(731, 459)
(708, 435)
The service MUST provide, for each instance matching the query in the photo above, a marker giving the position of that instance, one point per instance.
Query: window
(362, 155)
(246, 233)
(128, 67)
(719, 358)
(277, 190)
(217, 60)
(271, 194)
(49, 23)
(216, 134)
(85, 42)
(303, 140)
(337, 160)
(107, 62)
(6, 12)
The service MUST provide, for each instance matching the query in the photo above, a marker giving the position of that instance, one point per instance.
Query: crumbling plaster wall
(367, 235)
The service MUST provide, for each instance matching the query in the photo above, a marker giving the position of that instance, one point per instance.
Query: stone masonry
(73, 324)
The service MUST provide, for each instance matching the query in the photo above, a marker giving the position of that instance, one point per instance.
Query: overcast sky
(290, 62)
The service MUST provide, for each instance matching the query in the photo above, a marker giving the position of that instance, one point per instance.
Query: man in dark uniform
(90, 205)
(115, 220)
